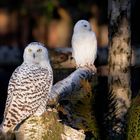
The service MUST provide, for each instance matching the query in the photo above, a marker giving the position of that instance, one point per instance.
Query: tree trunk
(119, 66)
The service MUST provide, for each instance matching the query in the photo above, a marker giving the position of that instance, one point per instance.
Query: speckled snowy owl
(84, 44)
(29, 87)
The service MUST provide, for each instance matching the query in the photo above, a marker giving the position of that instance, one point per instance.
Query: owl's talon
(93, 68)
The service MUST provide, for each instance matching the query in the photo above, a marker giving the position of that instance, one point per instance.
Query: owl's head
(35, 53)
(82, 25)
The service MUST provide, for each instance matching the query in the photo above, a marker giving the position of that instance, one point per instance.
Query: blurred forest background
(48, 21)
(51, 22)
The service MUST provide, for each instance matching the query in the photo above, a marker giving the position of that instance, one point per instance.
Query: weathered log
(47, 127)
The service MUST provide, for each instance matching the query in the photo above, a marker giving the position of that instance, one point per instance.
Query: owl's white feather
(29, 87)
(84, 44)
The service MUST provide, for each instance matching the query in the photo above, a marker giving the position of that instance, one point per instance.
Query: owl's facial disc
(86, 26)
(82, 26)
(35, 53)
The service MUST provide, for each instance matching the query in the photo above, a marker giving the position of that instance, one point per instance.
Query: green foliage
(47, 8)
(133, 122)
(79, 110)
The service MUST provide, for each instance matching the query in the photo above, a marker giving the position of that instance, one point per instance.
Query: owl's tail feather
(2, 134)
(6, 135)
(4, 126)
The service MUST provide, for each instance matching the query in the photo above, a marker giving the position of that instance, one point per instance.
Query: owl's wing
(10, 94)
(72, 43)
(94, 43)
(76, 45)
(27, 88)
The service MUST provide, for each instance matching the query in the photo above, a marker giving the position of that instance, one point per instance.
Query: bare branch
(71, 83)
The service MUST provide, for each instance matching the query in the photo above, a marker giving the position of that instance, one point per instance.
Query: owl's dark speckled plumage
(28, 91)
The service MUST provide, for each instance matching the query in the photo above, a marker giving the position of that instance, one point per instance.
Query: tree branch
(71, 83)
(119, 67)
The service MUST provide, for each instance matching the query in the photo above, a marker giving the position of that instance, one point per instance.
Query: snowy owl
(29, 87)
(84, 44)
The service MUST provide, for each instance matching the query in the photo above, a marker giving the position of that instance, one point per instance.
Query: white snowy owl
(84, 44)
(29, 87)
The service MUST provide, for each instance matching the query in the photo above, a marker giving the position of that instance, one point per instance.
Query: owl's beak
(34, 55)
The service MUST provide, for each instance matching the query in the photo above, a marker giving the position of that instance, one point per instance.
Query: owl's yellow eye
(29, 50)
(39, 50)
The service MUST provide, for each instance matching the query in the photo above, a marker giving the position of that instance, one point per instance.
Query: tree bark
(47, 127)
(119, 66)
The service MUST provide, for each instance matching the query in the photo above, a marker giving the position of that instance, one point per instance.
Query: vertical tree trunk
(119, 65)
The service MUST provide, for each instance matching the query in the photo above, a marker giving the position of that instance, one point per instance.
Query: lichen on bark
(47, 127)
